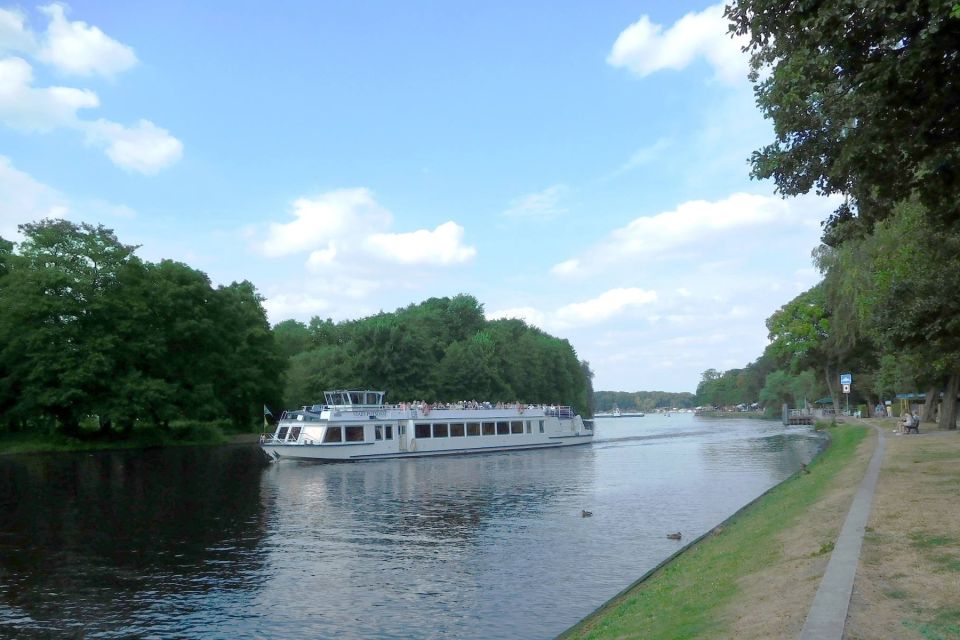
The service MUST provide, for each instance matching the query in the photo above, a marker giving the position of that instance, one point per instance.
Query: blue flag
(266, 412)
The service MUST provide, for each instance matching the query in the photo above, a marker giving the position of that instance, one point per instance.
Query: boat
(358, 425)
(617, 413)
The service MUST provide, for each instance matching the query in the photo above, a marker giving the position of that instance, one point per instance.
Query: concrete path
(828, 613)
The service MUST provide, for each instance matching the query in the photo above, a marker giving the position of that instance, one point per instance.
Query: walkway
(828, 613)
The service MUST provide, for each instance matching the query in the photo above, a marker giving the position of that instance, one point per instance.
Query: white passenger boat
(357, 425)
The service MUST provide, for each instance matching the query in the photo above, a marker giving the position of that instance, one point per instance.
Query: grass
(946, 625)
(683, 598)
(187, 435)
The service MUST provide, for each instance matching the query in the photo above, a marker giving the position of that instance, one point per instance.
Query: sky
(582, 166)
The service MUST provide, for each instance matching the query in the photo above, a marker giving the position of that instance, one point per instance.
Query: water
(209, 543)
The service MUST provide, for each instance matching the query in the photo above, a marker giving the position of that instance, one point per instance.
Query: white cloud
(144, 148)
(645, 47)
(347, 227)
(14, 34)
(542, 205)
(81, 49)
(281, 306)
(528, 314)
(695, 224)
(319, 222)
(443, 245)
(607, 305)
(643, 156)
(28, 109)
(23, 199)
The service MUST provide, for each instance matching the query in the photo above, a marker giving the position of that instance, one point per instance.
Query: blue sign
(846, 378)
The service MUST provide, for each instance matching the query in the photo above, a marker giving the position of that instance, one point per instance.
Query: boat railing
(559, 412)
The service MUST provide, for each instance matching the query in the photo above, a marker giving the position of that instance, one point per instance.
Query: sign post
(846, 379)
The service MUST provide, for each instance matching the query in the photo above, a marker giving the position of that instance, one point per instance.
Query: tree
(863, 99)
(800, 335)
(890, 285)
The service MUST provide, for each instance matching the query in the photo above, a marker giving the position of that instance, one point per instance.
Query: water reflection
(209, 543)
(91, 541)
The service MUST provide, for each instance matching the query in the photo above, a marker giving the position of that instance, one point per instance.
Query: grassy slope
(31, 442)
(683, 598)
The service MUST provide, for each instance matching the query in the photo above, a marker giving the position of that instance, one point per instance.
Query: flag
(266, 412)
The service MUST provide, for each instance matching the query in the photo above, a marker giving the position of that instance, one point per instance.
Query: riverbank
(741, 415)
(755, 576)
(15, 443)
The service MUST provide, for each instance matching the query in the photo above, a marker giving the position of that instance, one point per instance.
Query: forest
(646, 401)
(96, 343)
(864, 106)
(442, 349)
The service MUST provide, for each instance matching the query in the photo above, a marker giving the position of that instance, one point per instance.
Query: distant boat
(617, 413)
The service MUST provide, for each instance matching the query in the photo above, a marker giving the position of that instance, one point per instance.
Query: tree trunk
(830, 389)
(948, 411)
(930, 406)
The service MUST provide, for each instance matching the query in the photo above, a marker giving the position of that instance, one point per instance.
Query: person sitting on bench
(914, 424)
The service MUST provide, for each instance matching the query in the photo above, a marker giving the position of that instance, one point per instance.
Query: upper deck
(364, 405)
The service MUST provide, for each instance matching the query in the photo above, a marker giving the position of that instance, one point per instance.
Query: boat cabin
(346, 399)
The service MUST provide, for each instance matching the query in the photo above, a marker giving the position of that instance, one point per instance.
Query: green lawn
(196, 434)
(683, 599)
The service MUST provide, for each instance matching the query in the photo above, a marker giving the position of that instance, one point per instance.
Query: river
(208, 542)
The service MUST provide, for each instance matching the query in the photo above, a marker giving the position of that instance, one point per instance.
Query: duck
(675, 536)
(586, 514)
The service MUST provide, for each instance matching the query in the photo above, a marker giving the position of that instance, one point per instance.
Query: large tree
(864, 99)
(889, 285)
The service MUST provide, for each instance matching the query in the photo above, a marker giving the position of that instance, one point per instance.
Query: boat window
(440, 430)
(354, 434)
(282, 433)
(528, 426)
(388, 431)
(516, 426)
(503, 428)
(541, 426)
(421, 430)
(333, 434)
(356, 397)
(456, 430)
(378, 432)
(473, 428)
(489, 429)
(294, 434)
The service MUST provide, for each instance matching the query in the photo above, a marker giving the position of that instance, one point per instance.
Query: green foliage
(95, 342)
(863, 100)
(442, 349)
(782, 387)
(647, 401)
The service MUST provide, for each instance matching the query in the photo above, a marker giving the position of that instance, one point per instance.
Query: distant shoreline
(750, 415)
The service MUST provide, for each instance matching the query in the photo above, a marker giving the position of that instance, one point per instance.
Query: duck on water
(358, 425)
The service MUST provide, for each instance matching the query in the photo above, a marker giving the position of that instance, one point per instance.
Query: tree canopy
(864, 100)
(94, 340)
(442, 349)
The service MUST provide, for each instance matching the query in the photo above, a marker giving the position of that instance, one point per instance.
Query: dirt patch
(908, 580)
(774, 602)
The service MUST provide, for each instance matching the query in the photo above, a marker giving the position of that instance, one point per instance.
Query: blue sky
(582, 166)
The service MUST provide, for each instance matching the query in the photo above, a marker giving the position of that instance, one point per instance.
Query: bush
(90, 424)
(199, 431)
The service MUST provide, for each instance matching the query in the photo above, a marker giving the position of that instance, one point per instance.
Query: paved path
(828, 613)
